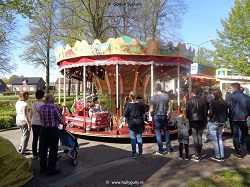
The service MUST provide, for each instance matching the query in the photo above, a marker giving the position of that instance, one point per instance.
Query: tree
(160, 19)
(41, 39)
(206, 57)
(8, 12)
(233, 45)
(142, 19)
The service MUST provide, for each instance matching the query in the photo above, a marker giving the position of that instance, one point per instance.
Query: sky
(199, 24)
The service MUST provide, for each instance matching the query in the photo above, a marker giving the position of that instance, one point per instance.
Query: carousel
(115, 68)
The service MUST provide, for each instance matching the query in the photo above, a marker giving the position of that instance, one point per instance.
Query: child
(183, 134)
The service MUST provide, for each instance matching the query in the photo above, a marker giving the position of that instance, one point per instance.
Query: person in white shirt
(22, 121)
(36, 122)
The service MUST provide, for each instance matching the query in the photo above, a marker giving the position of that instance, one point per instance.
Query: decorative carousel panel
(124, 46)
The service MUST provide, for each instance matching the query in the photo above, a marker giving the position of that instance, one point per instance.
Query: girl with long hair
(217, 117)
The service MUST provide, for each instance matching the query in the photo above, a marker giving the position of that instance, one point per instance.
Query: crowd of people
(211, 111)
(201, 110)
(44, 119)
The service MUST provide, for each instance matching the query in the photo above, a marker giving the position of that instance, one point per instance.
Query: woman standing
(36, 121)
(22, 121)
(217, 116)
(134, 114)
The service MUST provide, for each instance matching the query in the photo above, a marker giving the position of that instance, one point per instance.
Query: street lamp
(211, 39)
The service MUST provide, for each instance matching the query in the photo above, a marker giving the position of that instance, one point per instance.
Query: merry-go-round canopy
(124, 50)
(136, 58)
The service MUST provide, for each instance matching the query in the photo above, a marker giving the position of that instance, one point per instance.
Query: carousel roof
(125, 49)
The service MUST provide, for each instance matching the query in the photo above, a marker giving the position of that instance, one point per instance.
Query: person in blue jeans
(239, 109)
(158, 108)
(208, 137)
(134, 112)
(217, 117)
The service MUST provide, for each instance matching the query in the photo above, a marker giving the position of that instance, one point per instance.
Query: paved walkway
(109, 164)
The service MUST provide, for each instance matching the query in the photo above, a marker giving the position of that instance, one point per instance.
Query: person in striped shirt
(51, 117)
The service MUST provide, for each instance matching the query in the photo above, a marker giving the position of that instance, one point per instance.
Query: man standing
(158, 107)
(51, 117)
(196, 110)
(239, 109)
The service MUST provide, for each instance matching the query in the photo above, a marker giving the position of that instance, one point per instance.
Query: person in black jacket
(217, 116)
(134, 113)
(197, 116)
(239, 109)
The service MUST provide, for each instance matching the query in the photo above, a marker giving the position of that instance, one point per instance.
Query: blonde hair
(132, 95)
(183, 113)
(24, 96)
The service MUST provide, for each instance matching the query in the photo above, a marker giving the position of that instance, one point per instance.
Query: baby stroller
(69, 143)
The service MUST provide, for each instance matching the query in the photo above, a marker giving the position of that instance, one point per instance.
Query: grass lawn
(229, 178)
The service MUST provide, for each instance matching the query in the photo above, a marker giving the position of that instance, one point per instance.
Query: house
(3, 86)
(28, 84)
(73, 84)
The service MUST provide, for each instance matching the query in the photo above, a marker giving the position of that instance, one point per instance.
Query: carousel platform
(111, 134)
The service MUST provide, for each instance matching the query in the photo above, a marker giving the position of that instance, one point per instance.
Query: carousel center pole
(59, 90)
(84, 97)
(117, 99)
(178, 86)
(152, 92)
(64, 88)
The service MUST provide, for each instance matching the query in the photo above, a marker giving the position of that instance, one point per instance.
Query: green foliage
(4, 104)
(41, 38)
(6, 122)
(233, 45)
(206, 57)
(23, 7)
(7, 114)
(8, 93)
(8, 13)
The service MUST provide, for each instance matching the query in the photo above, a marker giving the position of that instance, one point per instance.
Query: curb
(9, 129)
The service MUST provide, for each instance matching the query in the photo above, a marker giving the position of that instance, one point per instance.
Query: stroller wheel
(73, 154)
(74, 162)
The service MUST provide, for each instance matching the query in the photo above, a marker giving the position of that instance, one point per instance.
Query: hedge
(8, 112)
(8, 93)
(6, 122)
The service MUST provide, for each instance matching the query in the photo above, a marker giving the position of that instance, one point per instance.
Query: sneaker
(222, 159)
(216, 159)
(134, 156)
(140, 155)
(238, 156)
(186, 158)
(158, 153)
(196, 159)
(207, 140)
(180, 158)
(26, 153)
(171, 151)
